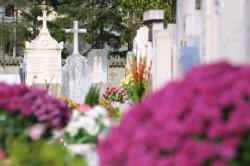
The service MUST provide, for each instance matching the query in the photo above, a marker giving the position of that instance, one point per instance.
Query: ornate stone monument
(76, 79)
(43, 58)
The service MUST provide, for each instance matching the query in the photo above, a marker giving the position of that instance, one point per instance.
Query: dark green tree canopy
(111, 22)
(102, 19)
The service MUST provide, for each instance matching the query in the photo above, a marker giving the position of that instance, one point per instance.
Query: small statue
(22, 70)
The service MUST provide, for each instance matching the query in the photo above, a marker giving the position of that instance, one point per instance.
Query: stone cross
(76, 31)
(44, 18)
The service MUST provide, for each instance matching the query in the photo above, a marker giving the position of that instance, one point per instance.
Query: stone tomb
(43, 58)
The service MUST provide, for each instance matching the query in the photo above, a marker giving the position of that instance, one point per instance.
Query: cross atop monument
(44, 18)
(76, 31)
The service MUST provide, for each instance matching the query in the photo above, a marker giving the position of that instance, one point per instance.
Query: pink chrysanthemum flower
(199, 121)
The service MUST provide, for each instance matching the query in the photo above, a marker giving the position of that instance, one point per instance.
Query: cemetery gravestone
(76, 73)
(233, 31)
(210, 38)
(141, 42)
(163, 58)
(154, 20)
(98, 61)
(43, 58)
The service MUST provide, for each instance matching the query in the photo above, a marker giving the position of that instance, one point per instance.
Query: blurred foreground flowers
(202, 120)
(28, 117)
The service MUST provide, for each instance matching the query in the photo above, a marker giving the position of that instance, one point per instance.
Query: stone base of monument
(54, 89)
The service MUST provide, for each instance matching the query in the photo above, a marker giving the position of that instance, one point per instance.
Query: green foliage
(243, 153)
(101, 18)
(136, 91)
(92, 98)
(6, 37)
(115, 114)
(30, 23)
(12, 125)
(136, 8)
(113, 22)
(81, 138)
(133, 10)
(22, 152)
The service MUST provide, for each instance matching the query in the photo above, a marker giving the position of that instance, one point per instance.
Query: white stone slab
(153, 15)
(10, 78)
(163, 58)
(233, 31)
(141, 42)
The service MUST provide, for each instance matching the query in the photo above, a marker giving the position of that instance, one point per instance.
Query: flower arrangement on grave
(137, 79)
(28, 117)
(85, 129)
(111, 100)
(202, 120)
(87, 125)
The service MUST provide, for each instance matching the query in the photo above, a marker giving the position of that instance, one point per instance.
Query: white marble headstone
(233, 31)
(43, 58)
(164, 59)
(98, 62)
(141, 42)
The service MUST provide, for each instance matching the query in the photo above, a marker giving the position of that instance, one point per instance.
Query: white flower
(72, 129)
(36, 131)
(97, 111)
(75, 114)
(89, 125)
(106, 122)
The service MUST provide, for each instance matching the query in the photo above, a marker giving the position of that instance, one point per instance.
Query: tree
(17, 32)
(133, 14)
(111, 22)
(102, 18)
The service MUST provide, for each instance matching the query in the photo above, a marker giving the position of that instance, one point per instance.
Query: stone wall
(9, 69)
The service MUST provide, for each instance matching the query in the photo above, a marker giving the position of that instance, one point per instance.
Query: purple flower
(34, 102)
(197, 121)
(36, 131)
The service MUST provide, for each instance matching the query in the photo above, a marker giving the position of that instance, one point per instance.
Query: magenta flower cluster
(114, 94)
(34, 102)
(199, 121)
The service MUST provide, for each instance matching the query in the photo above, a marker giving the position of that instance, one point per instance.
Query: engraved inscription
(35, 65)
